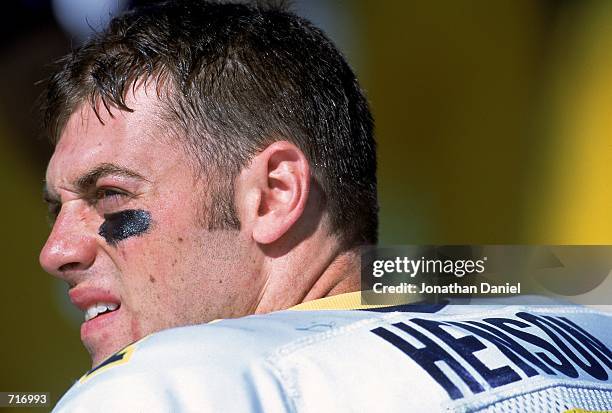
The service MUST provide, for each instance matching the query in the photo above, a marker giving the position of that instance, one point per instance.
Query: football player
(217, 162)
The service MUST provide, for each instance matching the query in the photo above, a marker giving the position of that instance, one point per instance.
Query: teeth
(99, 308)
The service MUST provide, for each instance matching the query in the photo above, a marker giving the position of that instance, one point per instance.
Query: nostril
(69, 266)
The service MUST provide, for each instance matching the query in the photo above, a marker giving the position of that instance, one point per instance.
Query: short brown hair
(238, 77)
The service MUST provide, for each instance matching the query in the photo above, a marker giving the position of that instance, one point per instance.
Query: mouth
(101, 327)
(98, 306)
(99, 310)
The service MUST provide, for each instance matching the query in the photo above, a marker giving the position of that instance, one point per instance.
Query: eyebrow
(86, 181)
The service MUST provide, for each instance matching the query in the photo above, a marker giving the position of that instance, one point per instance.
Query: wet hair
(231, 79)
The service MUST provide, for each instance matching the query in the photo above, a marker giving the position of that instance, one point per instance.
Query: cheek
(151, 305)
(172, 287)
(176, 272)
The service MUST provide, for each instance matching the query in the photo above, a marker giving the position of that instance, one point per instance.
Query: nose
(70, 248)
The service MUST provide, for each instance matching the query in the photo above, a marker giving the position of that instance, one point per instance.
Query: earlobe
(284, 183)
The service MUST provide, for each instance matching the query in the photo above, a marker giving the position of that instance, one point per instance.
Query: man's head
(201, 150)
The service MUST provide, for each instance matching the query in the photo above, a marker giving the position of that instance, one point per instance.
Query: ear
(271, 192)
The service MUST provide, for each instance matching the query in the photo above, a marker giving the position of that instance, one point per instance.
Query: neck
(320, 275)
(341, 276)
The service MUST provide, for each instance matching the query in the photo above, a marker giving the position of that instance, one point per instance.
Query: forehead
(135, 140)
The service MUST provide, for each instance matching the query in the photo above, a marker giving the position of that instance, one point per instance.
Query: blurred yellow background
(493, 121)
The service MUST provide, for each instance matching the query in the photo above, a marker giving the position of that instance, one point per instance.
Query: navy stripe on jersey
(410, 308)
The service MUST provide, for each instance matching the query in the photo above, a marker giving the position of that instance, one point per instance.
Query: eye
(102, 193)
(109, 198)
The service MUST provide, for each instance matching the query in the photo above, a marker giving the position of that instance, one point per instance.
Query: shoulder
(201, 367)
(421, 356)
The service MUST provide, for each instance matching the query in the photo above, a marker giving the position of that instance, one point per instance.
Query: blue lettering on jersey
(466, 347)
(562, 348)
(427, 357)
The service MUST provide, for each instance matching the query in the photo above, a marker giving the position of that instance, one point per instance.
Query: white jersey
(413, 358)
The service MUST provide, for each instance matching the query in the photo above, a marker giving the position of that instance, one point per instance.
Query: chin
(117, 354)
(99, 355)
(96, 361)
(102, 348)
